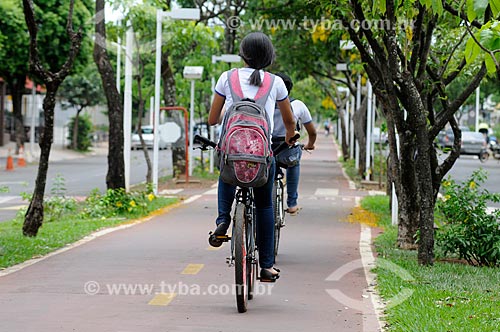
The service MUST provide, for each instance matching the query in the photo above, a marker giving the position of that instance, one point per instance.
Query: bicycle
(279, 196)
(243, 254)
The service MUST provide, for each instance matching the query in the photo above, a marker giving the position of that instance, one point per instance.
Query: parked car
(446, 137)
(148, 136)
(472, 143)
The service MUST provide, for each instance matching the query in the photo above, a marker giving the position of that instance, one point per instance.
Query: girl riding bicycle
(257, 52)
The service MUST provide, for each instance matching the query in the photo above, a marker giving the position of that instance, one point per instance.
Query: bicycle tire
(483, 156)
(251, 260)
(240, 258)
(278, 211)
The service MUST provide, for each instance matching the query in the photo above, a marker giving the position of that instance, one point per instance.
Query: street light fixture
(229, 58)
(179, 14)
(192, 73)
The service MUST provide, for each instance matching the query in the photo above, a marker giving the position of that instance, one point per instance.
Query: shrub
(117, 202)
(83, 140)
(466, 228)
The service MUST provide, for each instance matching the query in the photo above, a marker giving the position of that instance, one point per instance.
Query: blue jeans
(292, 185)
(263, 197)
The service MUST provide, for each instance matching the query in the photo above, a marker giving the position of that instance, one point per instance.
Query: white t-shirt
(300, 113)
(278, 90)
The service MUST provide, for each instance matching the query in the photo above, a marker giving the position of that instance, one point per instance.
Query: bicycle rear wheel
(240, 257)
(251, 256)
(279, 213)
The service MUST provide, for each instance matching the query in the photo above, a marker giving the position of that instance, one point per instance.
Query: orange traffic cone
(20, 160)
(10, 163)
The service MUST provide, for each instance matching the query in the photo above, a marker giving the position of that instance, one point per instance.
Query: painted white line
(5, 199)
(211, 192)
(14, 208)
(326, 192)
(170, 191)
(191, 199)
(368, 261)
(376, 193)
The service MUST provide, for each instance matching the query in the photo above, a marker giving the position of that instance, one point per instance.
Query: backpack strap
(265, 89)
(233, 79)
(262, 94)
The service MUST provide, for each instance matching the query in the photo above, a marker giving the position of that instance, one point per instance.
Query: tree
(53, 45)
(80, 91)
(84, 130)
(14, 64)
(52, 80)
(115, 177)
(409, 73)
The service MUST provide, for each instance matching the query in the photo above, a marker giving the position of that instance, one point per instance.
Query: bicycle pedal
(229, 262)
(223, 238)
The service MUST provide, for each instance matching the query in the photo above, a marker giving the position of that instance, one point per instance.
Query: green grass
(16, 248)
(447, 297)
(350, 169)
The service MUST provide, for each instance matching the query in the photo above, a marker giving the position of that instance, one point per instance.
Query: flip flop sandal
(293, 213)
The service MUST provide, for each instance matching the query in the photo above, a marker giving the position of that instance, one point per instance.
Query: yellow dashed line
(162, 299)
(193, 268)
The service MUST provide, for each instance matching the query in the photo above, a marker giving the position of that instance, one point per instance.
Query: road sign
(170, 132)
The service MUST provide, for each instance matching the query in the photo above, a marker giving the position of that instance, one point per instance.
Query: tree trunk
(169, 94)
(408, 198)
(149, 171)
(17, 91)
(359, 121)
(75, 129)
(34, 216)
(115, 177)
(345, 146)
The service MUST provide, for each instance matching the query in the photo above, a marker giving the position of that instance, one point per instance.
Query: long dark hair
(258, 52)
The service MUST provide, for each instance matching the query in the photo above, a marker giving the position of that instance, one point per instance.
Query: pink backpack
(244, 147)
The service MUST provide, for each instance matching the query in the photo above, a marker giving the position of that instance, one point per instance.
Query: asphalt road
(80, 176)
(466, 165)
(161, 275)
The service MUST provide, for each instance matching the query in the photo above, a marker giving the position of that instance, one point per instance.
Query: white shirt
(278, 90)
(300, 113)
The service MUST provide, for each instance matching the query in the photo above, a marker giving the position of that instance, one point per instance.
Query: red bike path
(161, 275)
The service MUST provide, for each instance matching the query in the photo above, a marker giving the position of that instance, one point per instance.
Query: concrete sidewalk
(57, 152)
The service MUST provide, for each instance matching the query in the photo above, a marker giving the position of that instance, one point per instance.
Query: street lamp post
(179, 14)
(192, 73)
(127, 105)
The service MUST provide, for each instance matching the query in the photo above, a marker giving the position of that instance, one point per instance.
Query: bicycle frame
(245, 196)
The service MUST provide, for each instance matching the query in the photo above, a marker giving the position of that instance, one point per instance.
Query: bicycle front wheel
(279, 213)
(240, 257)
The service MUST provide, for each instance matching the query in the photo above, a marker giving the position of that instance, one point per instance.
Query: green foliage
(446, 296)
(117, 202)
(58, 204)
(13, 39)
(467, 229)
(84, 141)
(82, 89)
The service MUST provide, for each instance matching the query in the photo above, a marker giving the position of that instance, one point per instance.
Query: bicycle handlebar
(285, 145)
(205, 143)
